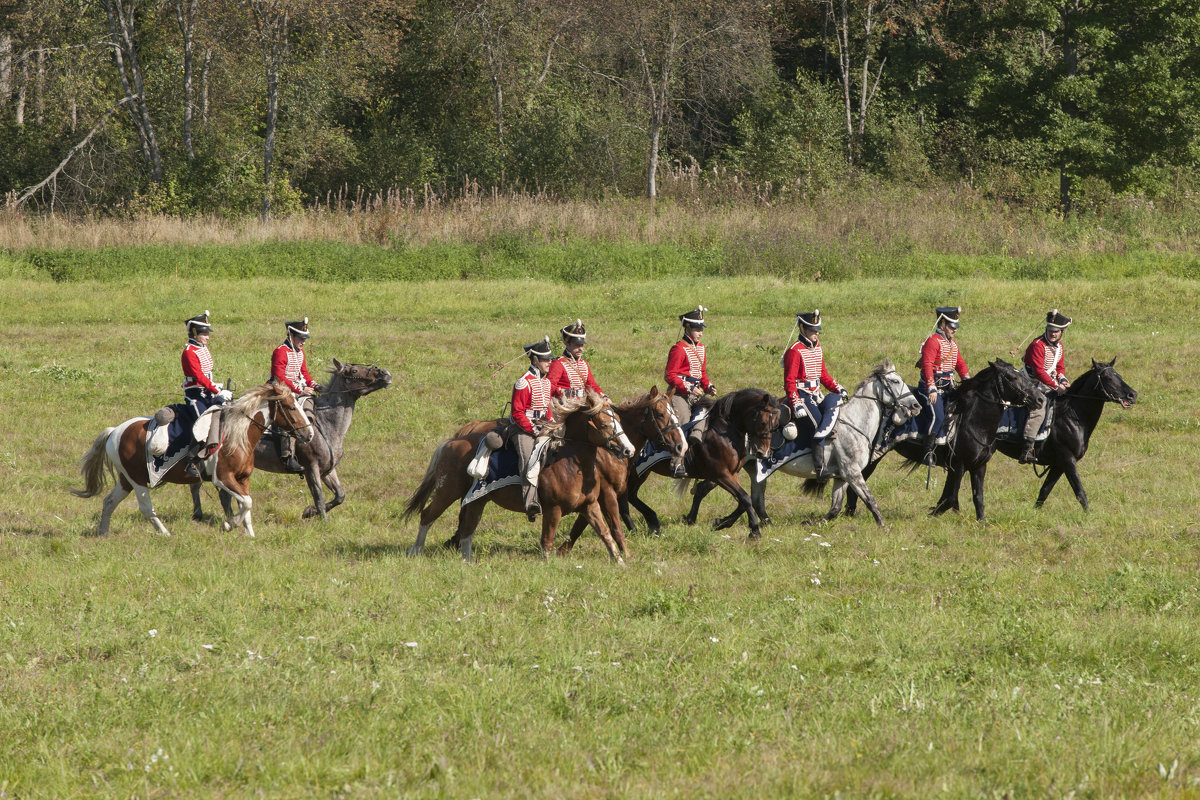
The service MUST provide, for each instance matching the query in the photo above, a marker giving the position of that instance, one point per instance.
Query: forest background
(265, 107)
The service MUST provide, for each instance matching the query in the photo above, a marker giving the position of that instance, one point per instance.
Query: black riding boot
(930, 445)
(1027, 456)
(193, 465)
(818, 457)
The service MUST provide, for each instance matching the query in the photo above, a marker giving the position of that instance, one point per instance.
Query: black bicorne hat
(300, 328)
(949, 314)
(694, 319)
(540, 349)
(574, 333)
(1056, 320)
(810, 319)
(199, 324)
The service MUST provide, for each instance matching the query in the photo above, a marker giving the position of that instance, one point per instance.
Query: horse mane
(637, 402)
(881, 369)
(723, 406)
(235, 416)
(564, 407)
(970, 387)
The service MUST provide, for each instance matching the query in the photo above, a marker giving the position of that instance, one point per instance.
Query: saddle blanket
(652, 454)
(915, 428)
(1012, 423)
(179, 441)
(503, 470)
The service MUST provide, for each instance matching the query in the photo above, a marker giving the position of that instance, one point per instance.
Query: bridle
(662, 430)
(368, 379)
(893, 401)
(618, 431)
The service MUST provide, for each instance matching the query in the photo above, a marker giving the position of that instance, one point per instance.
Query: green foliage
(790, 138)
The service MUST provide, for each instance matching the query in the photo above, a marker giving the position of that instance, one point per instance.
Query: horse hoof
(310, 512)
(197, 518)
(620, 561)
(754, 536)
(413, 551)
(225, 526)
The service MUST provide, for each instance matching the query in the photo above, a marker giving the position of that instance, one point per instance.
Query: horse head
(357, 380)
(660, 417)
(885, 386)
(759, 418)
(1014, 386)
(1111, 385)
(287, 415)
(592, 419)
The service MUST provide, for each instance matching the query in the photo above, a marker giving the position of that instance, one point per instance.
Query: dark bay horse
(649, 418)
(881, 396)
(121, 451)
(332, 413)
(975, 409)
(740, 425)
(569, 482)
(1075, 416)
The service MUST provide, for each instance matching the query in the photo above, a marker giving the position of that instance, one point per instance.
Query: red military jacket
(686, 360)
(940, 356)
(1044, 361)
(571, 377)
(289, 367)
(803, 369)
(531, 399)
(197, 367)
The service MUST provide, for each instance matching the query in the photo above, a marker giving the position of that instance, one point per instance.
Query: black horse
(1075, 416)
(975, 409)
(739, 425)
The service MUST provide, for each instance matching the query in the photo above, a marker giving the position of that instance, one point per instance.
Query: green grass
(513, 256)
(1047, 653)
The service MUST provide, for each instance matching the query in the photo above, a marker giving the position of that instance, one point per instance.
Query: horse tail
(427, 487)
(814, 487)
(681, 486)
(95, 467)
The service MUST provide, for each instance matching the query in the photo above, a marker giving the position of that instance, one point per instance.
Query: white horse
(850, 446)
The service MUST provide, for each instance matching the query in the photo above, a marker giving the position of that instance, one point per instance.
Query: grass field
(1049, 653)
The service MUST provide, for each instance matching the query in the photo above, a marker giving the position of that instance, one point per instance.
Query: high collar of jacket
(691, 341)
(804, 340)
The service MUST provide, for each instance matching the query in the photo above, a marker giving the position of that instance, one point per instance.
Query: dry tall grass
(945, 220)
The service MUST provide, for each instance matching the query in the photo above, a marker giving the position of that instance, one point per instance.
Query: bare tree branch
(32, 190)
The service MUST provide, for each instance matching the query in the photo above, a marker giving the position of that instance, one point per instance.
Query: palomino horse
(122, 450)
(568, 484)
(881, 395)
(649, 418)
(1075, 416)
(332, 413)
(975, 409)
(740, 424)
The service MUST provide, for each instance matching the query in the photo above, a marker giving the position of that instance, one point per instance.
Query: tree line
(265, 106)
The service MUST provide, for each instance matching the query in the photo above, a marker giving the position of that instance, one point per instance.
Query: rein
(648, 416)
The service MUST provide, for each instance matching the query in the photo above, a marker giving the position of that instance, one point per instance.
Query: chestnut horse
(122, 450)
(569, 482)
(650, 417)
(332, 413)
(739, 426)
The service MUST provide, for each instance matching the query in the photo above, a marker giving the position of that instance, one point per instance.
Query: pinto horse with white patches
(122, 451)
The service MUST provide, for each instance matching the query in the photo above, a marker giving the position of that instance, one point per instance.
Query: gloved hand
(799, 411)
(219, 386)
(224, 395)
(845, 395)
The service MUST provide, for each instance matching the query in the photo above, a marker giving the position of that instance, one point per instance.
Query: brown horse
(568, 484)
(122, 451)
(740, 426)
(649, 418)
